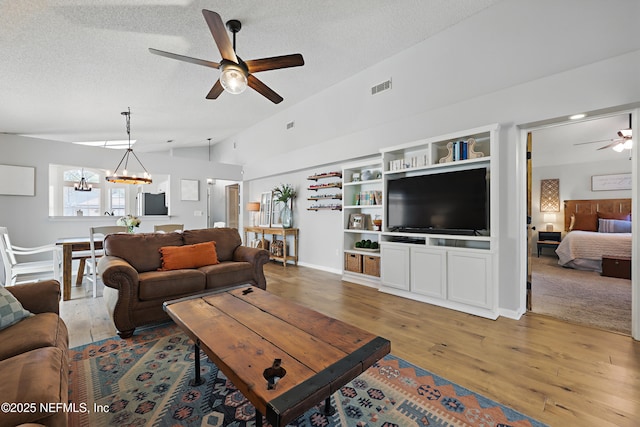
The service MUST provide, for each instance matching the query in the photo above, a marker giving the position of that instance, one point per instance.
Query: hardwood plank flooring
(556, 372)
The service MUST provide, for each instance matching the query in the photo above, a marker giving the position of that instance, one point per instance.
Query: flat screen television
(443, 203)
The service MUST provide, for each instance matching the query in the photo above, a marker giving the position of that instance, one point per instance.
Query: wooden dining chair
(167, 228)
(13, 268)
(95, 234)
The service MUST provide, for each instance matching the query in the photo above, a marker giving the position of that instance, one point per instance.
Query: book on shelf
(369, 198)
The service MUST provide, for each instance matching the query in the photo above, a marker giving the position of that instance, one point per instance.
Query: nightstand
(548, 239)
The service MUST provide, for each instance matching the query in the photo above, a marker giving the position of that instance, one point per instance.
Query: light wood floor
(556, 372)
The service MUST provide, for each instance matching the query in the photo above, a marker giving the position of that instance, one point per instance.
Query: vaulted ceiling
(70, 67)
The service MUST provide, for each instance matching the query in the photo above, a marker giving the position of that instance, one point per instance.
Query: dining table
(71, 245)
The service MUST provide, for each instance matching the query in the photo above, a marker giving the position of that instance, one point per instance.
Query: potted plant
(285, 193)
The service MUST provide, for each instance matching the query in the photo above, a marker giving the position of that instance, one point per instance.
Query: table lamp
(253, 207)
(549, 218)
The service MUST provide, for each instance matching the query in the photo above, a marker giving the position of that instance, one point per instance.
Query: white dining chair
(167, 228)
(95, 234)
(13, 268)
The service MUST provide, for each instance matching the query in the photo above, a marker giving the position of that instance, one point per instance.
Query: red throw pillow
(585, 222)
(188, 256)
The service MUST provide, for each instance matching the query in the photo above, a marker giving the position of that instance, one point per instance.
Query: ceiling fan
(236, 74)
(618, 144)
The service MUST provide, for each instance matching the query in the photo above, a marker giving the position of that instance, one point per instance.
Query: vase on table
(286, 216)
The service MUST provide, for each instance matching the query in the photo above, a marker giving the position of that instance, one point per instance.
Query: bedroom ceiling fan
(624, 140)
(236, 74)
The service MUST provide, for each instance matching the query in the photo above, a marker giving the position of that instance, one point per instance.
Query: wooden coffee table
(283, 357)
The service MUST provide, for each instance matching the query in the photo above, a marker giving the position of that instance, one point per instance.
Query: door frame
(521, 153)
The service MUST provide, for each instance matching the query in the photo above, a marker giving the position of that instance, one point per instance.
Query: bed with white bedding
(583, 250)
(596, 228)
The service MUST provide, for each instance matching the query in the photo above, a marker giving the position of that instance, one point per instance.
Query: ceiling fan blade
(614, 142)
(215, 91)
(263, 89)
(219, 33)
(184, 58)
(274, 63)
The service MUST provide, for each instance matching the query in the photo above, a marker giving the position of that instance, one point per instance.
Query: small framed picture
(356, 222)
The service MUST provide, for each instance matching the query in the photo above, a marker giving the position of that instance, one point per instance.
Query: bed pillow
(11, 311)
(584, 222)
(614, 226)
(188, 256)
(611, 215)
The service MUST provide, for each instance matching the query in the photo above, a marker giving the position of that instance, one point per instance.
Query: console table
(275, 232)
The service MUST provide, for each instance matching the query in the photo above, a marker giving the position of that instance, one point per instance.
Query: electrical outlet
(197, 213)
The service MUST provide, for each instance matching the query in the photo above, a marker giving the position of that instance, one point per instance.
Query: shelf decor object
(461, 150)
(320, 196)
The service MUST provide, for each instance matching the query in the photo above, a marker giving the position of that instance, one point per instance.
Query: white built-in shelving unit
(453, 271)
(449, 270)
(362, 196)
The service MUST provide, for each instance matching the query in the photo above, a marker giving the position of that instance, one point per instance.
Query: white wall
(517, 62)
(27, 217)
(320, 236)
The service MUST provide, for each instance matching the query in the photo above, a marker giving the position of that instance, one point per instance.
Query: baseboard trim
(320, 267)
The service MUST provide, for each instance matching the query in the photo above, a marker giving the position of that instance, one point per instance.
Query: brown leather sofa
(135, 288)
(34, 359)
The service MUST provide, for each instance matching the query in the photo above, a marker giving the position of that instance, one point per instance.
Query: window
(118, 204)
(64, 200)
(105, 198)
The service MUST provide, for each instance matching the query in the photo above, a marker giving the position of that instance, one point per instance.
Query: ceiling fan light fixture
(233, 78)
(618, 147)
(625, 133)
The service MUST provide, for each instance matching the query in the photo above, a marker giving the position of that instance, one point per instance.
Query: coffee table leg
(328, 409)
(258, 419)
(198, 380)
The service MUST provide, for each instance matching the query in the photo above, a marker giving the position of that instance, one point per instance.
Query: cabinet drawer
(371, 265)
(353, 262)
(619, 267)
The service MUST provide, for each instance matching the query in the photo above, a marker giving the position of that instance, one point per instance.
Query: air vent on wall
(381, 87)
(290, 125)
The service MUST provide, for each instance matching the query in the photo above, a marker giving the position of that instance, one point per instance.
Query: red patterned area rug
(144, 381)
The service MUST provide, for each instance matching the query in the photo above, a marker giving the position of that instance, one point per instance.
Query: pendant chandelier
(123, 177)
(83, 185)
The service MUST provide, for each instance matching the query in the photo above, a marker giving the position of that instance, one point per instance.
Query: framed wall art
(621, 181)
(190, 189)
(17, 180)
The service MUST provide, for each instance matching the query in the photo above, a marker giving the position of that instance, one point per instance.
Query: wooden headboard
(593, 206)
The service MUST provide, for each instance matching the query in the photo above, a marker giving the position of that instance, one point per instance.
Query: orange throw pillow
(585, 222)
(188, 256)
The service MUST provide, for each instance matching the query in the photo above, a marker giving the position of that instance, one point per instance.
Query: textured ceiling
(69, 67)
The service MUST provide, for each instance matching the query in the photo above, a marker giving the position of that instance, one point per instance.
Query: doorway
(223, 204)
(572, 152)
(232, 202)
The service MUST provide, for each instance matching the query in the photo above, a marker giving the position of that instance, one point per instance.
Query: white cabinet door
(429, 272)
(394, 265)
(469, 278)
